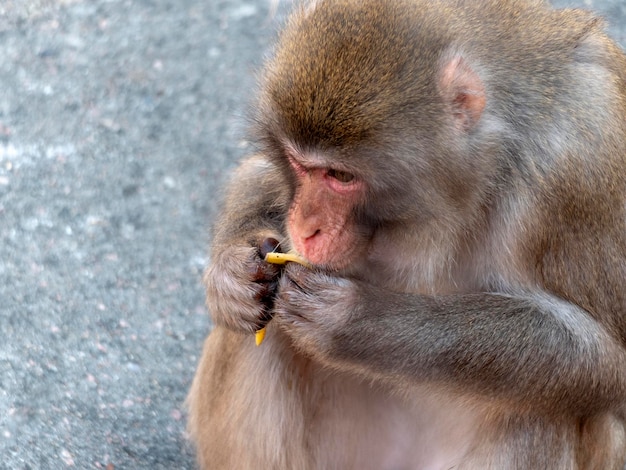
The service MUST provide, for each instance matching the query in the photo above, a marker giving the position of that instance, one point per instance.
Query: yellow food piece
(279, 258)
(282, 258)
(259, 336)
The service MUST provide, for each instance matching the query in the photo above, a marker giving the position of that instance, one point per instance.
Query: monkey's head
(370, 116)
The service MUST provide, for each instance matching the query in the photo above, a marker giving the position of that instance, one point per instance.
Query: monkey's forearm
(239, 284)
(537, 350)
(255, 203)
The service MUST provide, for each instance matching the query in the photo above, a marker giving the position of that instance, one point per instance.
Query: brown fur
(471, 311)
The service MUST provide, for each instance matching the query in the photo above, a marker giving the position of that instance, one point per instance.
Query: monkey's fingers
(279, 258)
(260, 271)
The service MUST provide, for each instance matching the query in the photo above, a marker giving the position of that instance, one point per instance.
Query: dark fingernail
(269, 245)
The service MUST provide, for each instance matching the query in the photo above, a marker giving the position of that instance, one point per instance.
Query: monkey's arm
(255, 202)
(533, 349)
(239, 284)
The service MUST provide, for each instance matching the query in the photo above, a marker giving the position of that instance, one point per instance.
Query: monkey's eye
(341, 176)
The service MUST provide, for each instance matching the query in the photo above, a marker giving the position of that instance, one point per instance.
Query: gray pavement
(119, 119)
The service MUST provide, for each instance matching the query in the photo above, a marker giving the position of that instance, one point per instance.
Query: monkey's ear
(464, 92)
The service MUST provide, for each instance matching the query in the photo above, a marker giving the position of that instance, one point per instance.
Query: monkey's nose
(315, 234)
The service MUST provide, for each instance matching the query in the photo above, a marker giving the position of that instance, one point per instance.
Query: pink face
(320, 220)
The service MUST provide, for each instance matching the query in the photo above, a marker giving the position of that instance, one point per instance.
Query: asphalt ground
(119, 121)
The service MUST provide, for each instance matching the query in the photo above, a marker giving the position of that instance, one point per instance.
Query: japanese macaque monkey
(455, 174)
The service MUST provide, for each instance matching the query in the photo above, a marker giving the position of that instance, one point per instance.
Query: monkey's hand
(241, 286)
(312, 308)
